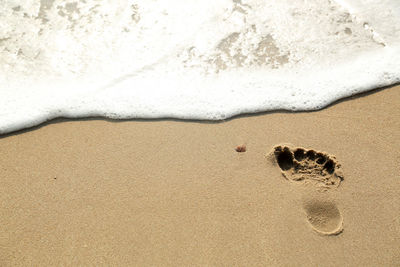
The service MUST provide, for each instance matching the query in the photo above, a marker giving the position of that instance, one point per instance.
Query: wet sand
(168, 192)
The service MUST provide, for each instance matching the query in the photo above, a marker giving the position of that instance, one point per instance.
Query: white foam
(189, 59)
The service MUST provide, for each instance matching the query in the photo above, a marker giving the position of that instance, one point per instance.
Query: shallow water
(189, 59)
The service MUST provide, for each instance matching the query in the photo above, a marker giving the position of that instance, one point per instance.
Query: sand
(169, 192)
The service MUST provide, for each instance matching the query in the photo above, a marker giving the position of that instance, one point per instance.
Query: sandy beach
(176, 193)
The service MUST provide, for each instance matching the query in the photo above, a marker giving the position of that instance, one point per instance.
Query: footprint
(324, 217)
(303, 165)
(309, 166)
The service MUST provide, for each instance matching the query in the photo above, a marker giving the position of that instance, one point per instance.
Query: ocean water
(189, 59)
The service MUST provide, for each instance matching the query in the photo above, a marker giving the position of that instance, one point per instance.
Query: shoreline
(239, 116)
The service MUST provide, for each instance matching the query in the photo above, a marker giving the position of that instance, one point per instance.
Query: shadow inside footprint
(300, 164)
(324, 217)
(285, 159)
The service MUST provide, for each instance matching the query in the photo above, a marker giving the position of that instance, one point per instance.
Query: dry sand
(94, 192)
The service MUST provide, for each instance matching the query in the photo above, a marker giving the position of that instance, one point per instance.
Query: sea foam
(206, 60)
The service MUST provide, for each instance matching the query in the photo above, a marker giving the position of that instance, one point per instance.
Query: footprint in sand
(302, 165)
(324, 217)
(320, 169)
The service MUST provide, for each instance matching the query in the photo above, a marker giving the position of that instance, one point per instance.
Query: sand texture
(276, 189)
